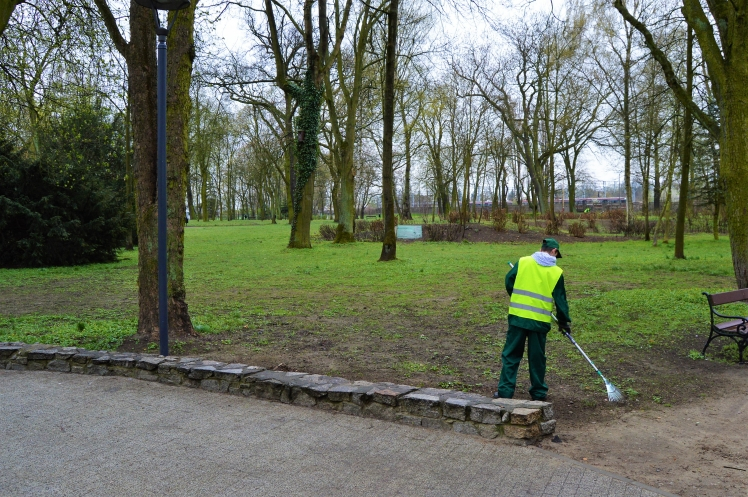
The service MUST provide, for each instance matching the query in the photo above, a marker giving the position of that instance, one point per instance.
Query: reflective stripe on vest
(532, 297)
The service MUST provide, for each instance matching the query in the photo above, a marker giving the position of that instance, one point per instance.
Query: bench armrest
(725, 316)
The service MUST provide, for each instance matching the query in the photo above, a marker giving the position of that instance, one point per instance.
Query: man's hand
(565, 328)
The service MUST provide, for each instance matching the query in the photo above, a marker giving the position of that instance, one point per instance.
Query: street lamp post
(161, 34)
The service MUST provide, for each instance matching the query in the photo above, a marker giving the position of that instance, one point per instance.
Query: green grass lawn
(436, 316)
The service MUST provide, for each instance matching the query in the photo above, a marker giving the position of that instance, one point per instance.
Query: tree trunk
(406, 214)
(347, 202)
(389, 246)
(733, 169)
(680, 223)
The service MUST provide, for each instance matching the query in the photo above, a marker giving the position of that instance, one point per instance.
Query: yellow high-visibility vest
(532, 297)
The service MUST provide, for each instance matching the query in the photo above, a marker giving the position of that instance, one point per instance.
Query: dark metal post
(163, 316)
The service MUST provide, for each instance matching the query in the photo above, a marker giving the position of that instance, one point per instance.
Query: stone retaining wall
(429, 407)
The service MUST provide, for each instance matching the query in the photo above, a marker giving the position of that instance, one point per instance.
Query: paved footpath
(75, 435)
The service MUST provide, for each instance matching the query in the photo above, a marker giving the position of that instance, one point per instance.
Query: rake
(614, 395)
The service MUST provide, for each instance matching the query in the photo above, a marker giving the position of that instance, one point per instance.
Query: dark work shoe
(540, 399)
(496, 395)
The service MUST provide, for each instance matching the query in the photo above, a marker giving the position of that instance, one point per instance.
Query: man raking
(534, 285)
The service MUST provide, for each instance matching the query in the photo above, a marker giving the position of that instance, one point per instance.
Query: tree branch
(672, 80)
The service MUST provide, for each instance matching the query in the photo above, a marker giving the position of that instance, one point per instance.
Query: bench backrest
(727, 297)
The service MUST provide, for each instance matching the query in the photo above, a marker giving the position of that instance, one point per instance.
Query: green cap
(552, 244)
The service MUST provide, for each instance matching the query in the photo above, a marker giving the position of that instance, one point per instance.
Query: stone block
(422, 405)
(149, 363)
(148, 375)
(522, 432)
(101, 359)
(407, 419)
(548, 427)
(488, 431)
(436, 424)
(201, 372)
(269, 389)
(126, 371)
(379, 411)
(98, 369)
(59, 365)
(489, 414)
(509, 404)
(350, 408)
(466, 428)
(124, 360)
(189, 382)
(456, 408)
(168, 367)
(18, 366)
(229, 374)
(77, 369)
(85, 356)
(8, 351)
(325, 404)
(36, 365)
(388, 393)
(66, 353)
(442, 393)
(300, 397)
(215, 385)
(41, 354)
(344, 392)
(523, 416)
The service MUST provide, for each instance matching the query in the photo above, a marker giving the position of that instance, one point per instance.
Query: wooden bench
(733, 327)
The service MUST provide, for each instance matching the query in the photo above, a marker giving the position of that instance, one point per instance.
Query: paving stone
(59, 365)
(487, 413)
(421, 405)
(523, 416)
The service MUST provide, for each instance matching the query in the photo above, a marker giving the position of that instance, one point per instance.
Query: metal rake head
(614, 395)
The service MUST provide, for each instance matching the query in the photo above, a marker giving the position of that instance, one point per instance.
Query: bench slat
(728, 324)
(729, 297)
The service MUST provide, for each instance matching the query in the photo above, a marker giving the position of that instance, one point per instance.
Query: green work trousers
(514, 348)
